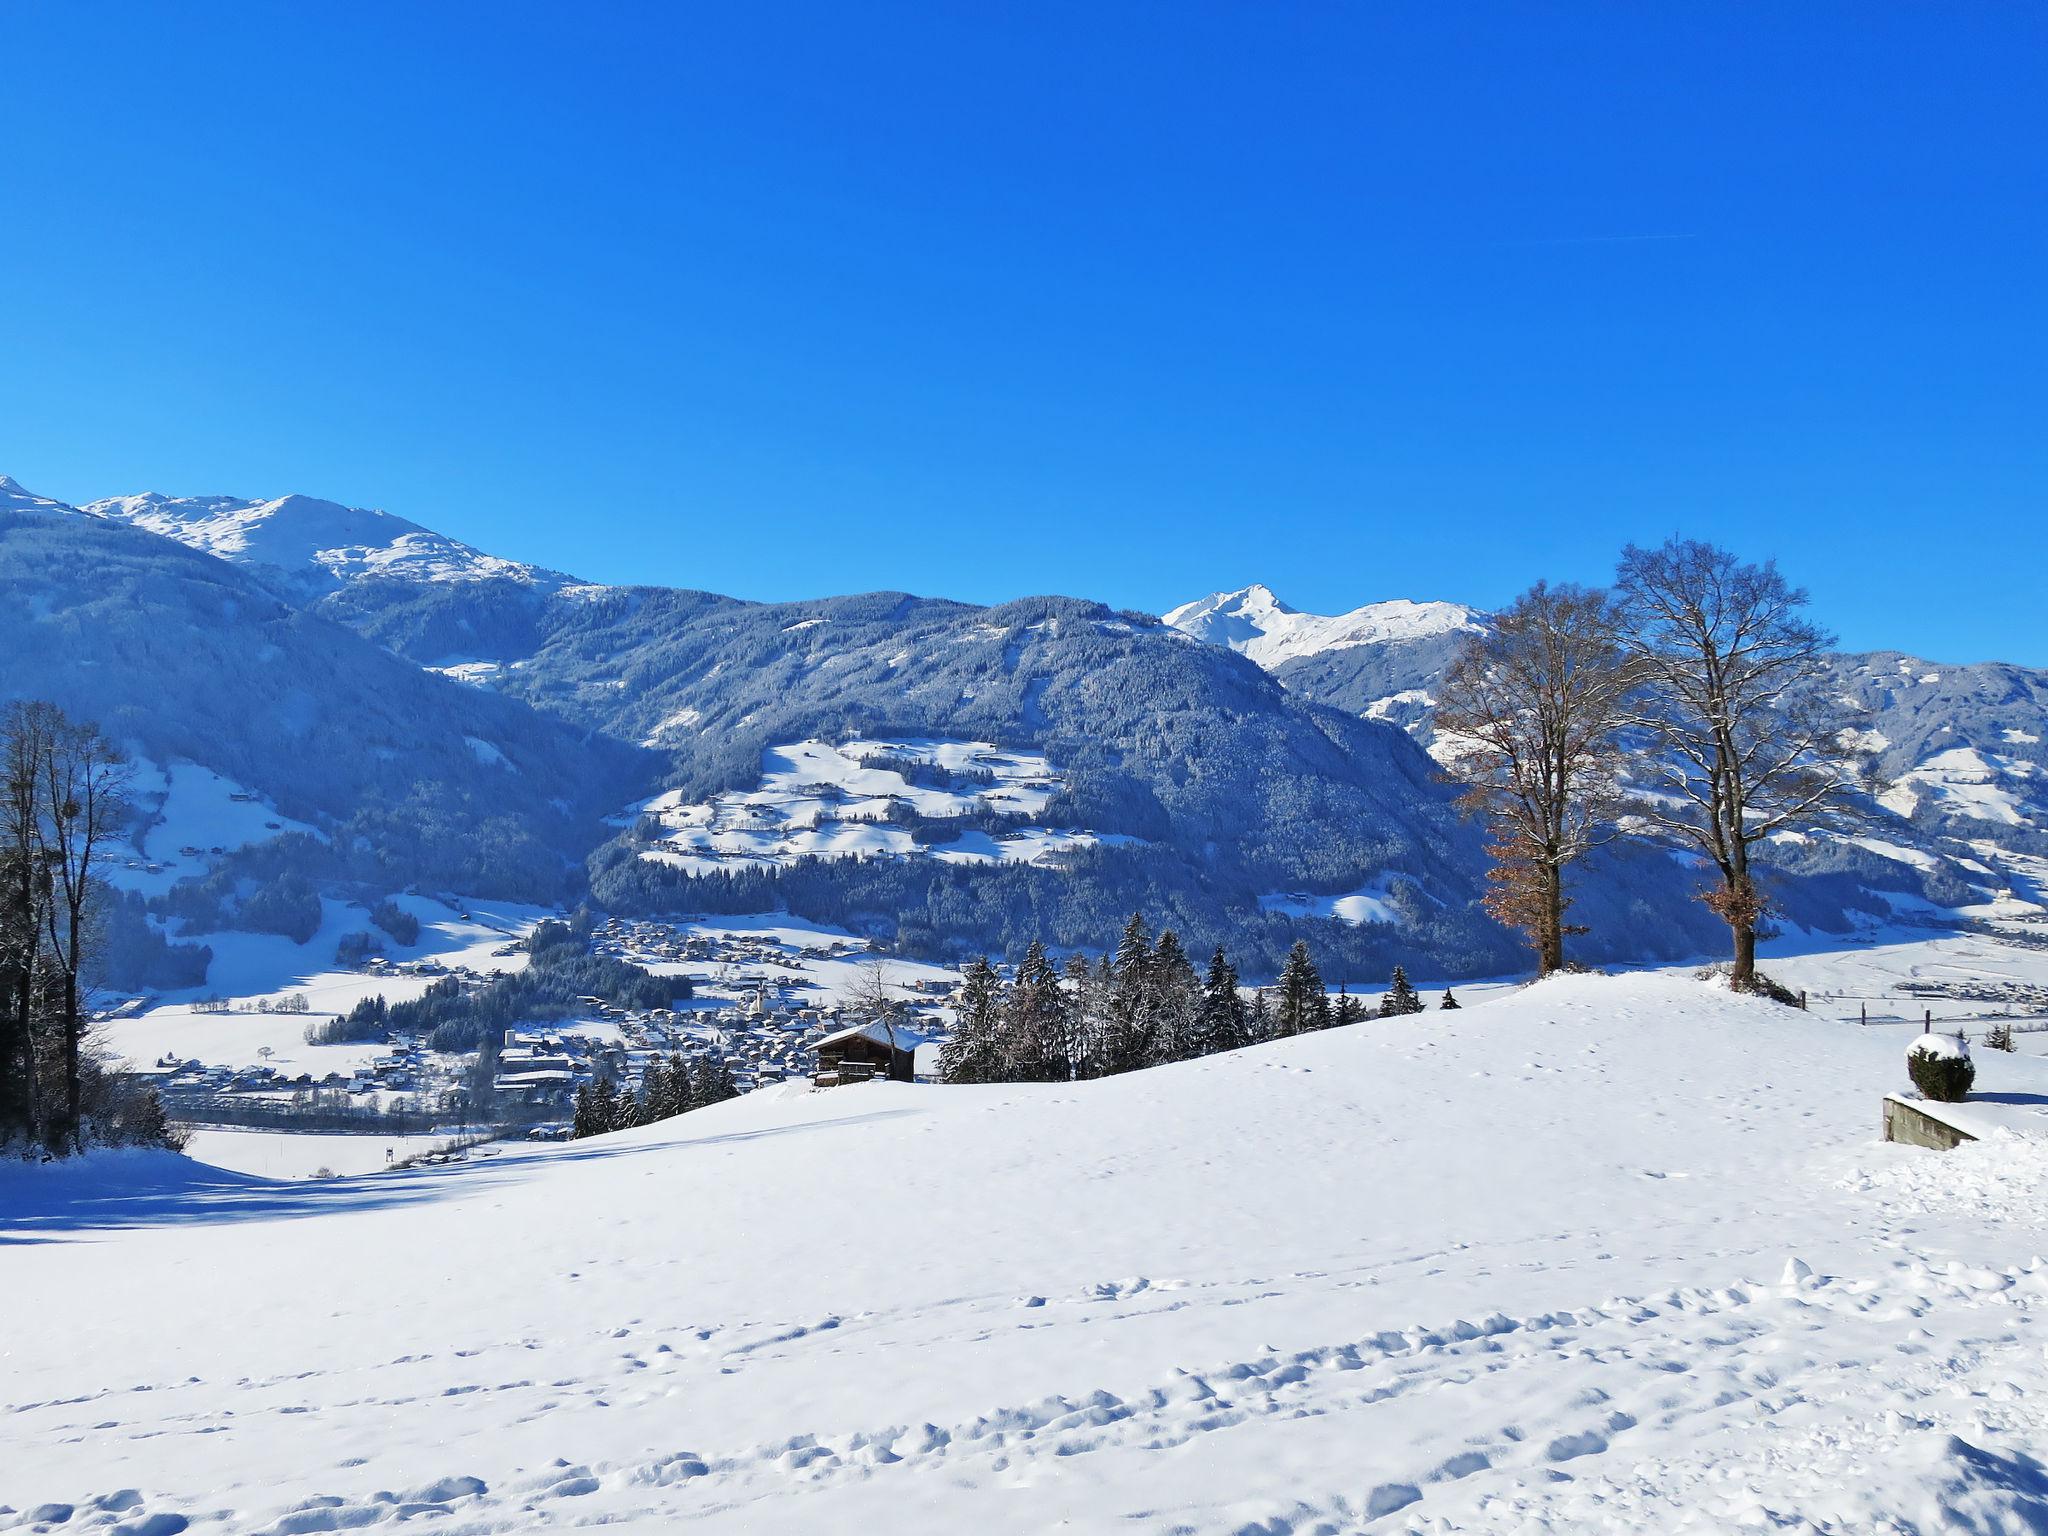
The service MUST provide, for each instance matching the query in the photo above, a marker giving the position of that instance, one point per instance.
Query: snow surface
(249, 968)
(322, 543)
(818, 800)
(188, 815)
(1368, 904)
(16, 497)
(1605, 1255)
(303, 1154)
(1256, 624)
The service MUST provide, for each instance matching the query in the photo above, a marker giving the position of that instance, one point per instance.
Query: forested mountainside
(1208, 786)
(406, 777)
(425, 714)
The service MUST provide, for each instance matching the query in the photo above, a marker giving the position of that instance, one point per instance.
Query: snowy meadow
(1600, 1254)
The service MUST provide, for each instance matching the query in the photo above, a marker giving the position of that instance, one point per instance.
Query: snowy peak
(317, 545)
(1256, 624)
(16, 497)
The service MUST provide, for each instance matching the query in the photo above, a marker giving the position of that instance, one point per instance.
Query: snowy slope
(1256, 624)
(16, 497)
(1605, 1255)
(316, 545)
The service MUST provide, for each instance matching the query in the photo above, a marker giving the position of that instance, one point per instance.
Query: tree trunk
(1550, 944)
(73, 1027)
(1742, 976)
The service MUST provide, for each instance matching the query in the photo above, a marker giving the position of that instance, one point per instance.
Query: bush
(1941, 1067)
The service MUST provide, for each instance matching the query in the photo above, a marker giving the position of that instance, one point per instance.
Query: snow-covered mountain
(316, 546)
(16, 497)
(1255, 623)
(1381, 661)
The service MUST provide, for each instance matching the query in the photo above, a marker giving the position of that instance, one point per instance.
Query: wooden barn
(866, 1052)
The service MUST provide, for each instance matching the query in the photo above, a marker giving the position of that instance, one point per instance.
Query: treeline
(63, 807)
(1143, 1006)
(561, 972)
(667, 1089)
(930, 909)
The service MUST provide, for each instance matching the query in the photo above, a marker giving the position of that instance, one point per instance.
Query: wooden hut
(865, 1052)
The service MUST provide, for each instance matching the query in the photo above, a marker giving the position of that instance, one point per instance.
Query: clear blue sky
(1129, 301)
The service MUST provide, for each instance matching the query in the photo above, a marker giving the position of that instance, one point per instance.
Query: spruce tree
(604, 1107)
(1131, 1021)
(625, 1111)
(1080, 1010)
(1225, 1024)
(1176, 1002)
(1034, 1035)
(974, 1054)
(1401, 998)
(1449, 1001)
(1349, 1009)
(585, 1121)
(1259, 1021)
(714, 1081)
(1303, 1005)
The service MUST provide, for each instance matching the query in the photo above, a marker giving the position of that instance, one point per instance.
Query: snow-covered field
(250, 968)
(818, 800)
(303, 1154)
(1600, 1255)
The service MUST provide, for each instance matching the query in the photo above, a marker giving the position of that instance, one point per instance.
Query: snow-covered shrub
(1941, 1067)
(1999, 1038)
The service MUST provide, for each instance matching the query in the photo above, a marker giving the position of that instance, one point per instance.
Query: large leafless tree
(1745, 742)
(1527, 715)
(27, 737)
(85, 782)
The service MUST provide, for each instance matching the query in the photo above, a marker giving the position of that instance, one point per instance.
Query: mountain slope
(1381, 660)
(187, 658)
(313, 546)
(1210, 787)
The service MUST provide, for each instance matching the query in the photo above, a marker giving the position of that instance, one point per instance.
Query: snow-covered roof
(904, 1039)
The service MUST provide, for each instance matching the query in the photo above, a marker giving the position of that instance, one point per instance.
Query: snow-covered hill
(1255, 623)
(315, 545)
(1605, 1255)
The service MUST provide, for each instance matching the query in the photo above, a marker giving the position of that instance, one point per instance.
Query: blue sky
(1129, 301)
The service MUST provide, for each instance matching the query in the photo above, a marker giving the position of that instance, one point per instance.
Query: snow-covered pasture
(249, 968)
(820, 800)
(1600, 1255)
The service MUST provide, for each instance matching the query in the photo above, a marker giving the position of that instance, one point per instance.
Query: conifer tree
(716, 1084)
(1449, 1001)
(1225, 1024)
(1303, 1005)
(1349, 1009)
(1034, 1036)
(625, 1111)
(974, 1054)
(585, 1121)
(1131, 1021)
(1259, 1023)
(604, 1107)
(1080, 1009)
(1401, 997)
(1176, 1002)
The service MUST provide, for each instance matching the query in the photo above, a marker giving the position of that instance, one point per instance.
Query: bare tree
(1527, 717)
(874, 994)
(26, 740)
(1748, 742)
(85, 808)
